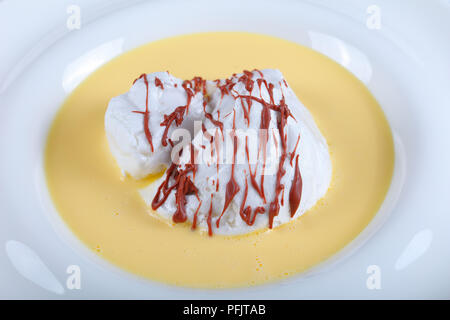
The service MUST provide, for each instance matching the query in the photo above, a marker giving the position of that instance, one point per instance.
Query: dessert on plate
(239, 154)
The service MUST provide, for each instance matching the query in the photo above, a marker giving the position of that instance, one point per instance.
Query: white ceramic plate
(399, 49)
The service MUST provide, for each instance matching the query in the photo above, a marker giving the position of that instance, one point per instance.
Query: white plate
(403, 59)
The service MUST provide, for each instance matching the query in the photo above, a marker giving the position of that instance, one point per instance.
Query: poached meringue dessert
(282, 168)
(251, 156)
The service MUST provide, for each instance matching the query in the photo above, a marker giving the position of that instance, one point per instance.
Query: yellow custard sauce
(105, 210)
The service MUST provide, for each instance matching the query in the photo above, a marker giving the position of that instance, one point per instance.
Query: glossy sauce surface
(106, 213)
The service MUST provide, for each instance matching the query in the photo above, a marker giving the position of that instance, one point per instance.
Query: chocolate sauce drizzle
(178, 178)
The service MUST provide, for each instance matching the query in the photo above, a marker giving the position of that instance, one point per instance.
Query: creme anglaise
(106, 211)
